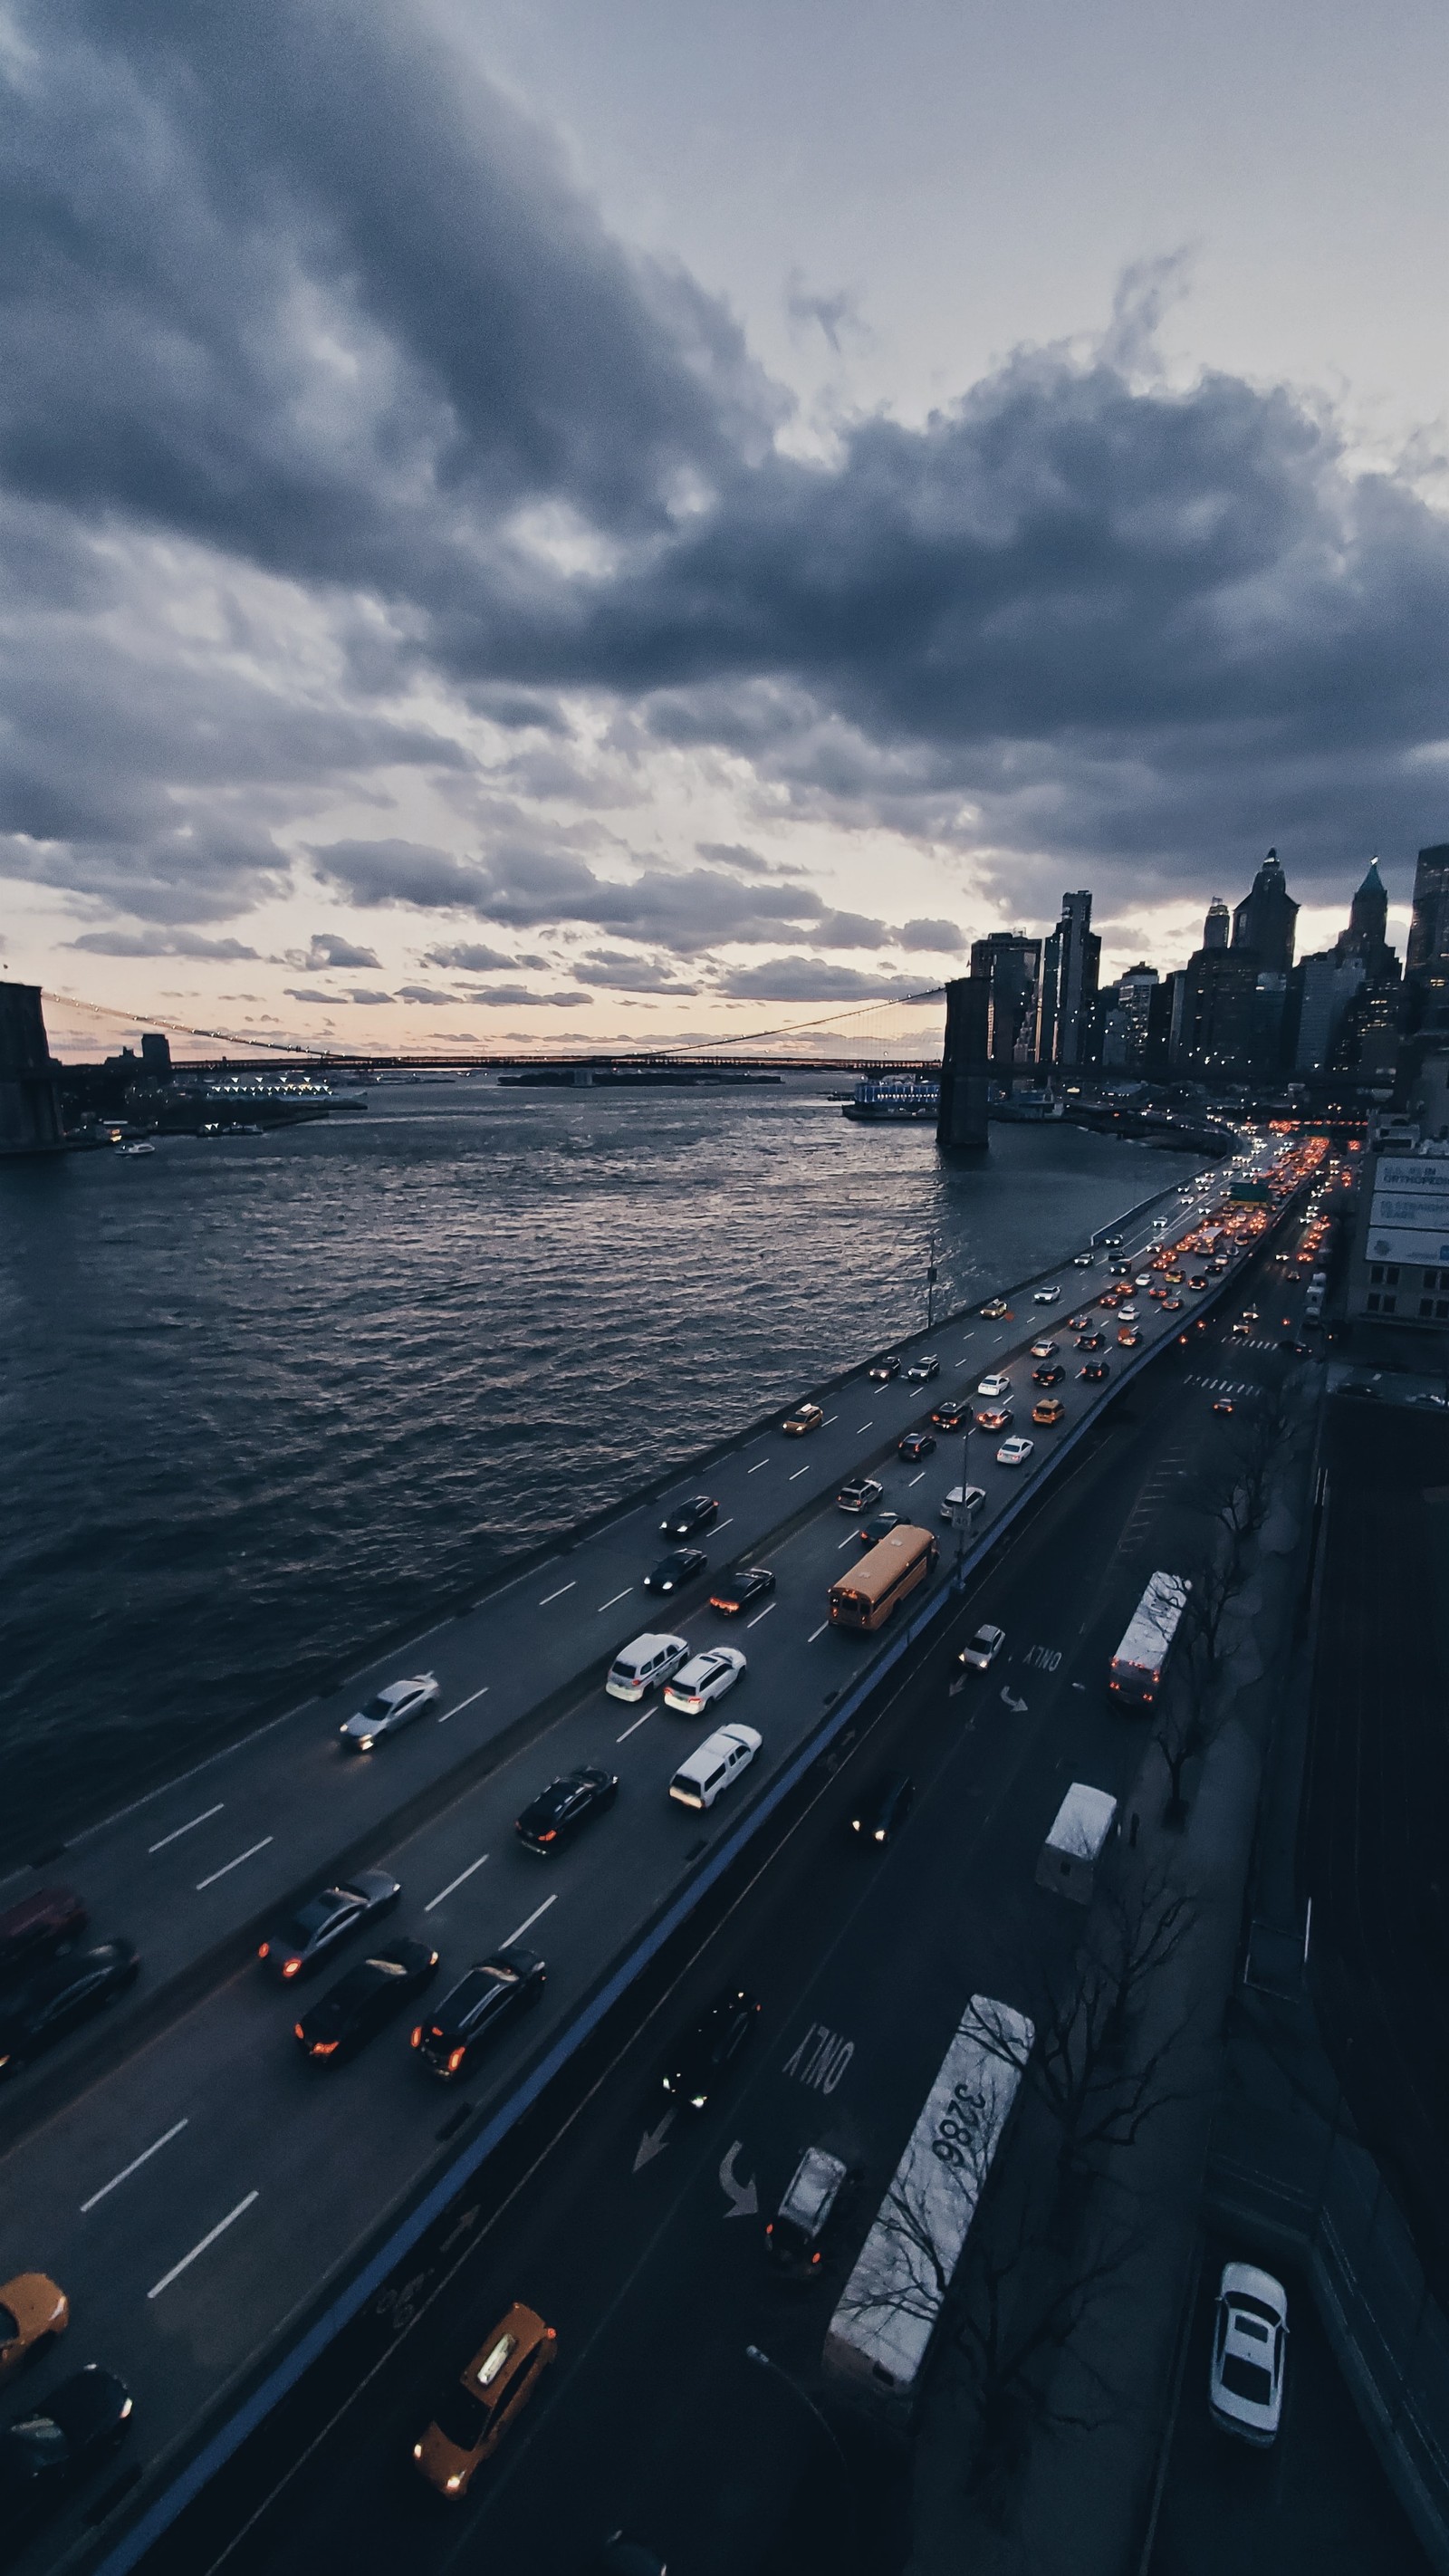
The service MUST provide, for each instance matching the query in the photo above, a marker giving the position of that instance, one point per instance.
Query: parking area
(1317, 2499)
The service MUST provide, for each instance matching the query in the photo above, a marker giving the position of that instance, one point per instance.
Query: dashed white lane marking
(472, 1868)
(760, 1614)
(754, 1471)
(865, 1426)
(558, 1596)
(817, 1632)
(459, 1705)
(634, 1729)
(529, 1921)
(830, 1417)
(628, 1588)
(203, 1818)
(847, 1540)
(134, 2166)
(914, 1480)
(209, 2238)
(228, 1866)
(799, 1472)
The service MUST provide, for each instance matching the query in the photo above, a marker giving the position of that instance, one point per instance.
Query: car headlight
(126, 2408)
(697, 2101)
(417, 2450)
(364, 1744)
(880, 1833)
(454, 2482)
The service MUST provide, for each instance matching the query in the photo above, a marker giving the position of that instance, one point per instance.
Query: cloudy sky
(531, 521)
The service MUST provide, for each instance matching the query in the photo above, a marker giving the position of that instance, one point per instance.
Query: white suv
(703, 1678)
(637, 1667)
(709, 1771)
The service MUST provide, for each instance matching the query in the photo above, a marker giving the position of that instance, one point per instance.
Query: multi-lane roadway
(193, 2188)
(640, 2234)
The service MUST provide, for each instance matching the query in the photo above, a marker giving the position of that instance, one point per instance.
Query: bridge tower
(961, 1118)
(29, 1097)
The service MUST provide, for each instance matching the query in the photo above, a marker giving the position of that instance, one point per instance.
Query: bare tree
(1235, 1512)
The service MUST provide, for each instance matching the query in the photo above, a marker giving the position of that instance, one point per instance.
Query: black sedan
(916, 1444)
(676, 1569)
(734, 1592)
(704, 2054)
(950, 1413)
(879, 1526)
(354, 2010)
(45, 2451)
(1094, 1372)
(60, 1996)
(885, 1807)
(694, 1513)
(1091, 1341)
(311, 1935)
(476, 2008)
(881, 1371)
(1051, 1375)
(555, 1815)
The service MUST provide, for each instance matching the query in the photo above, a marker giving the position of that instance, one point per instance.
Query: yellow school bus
(866, 1596)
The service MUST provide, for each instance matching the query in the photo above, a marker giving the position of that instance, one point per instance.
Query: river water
(263, 1399)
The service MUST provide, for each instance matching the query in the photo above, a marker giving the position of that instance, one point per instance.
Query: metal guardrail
(349, 2303)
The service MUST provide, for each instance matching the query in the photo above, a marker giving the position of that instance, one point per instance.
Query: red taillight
(290, 1967)
(324, 2047)
(417, 2037)
(265, 1951)
(297, 2027)
(455, 2060)
(814, 2258)
(551, 1836)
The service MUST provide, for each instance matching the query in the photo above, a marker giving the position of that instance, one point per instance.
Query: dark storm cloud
(161, 943)
(811, 979)
(292, 288)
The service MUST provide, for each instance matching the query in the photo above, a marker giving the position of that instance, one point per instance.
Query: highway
(193, 2183)
(639, 2236)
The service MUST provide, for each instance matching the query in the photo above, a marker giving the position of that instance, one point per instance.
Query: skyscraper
(1010, 965)
(1215, 927)
(1265, 919)
(1071, 960)
(1368, 920)
(1429, 927)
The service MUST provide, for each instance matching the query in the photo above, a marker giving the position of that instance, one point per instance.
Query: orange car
(1049, 1412)
(32, 2313)
(1128, 1337)
(491, 2394)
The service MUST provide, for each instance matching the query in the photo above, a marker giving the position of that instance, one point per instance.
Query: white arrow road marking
(742, 2196)
(654, 2141)
(1017, 1706)
(956, 1688)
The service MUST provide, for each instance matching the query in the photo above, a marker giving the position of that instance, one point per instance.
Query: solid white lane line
(455, 1882)
(528, 1925)
(754, 1471)
(817, 1632)
(759, 1615)
(558, 1596)
(134, 2166)
(228, 1866)
(175, 1837)
(210, 2238)
(799, 1472)
(615, 1596)
(634, 1729)
(459, 1705)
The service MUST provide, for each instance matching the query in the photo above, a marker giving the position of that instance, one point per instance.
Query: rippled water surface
(262, 1399)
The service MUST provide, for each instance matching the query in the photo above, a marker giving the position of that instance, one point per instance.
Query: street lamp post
(762, 2361)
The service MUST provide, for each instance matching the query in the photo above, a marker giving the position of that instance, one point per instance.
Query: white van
(1085, 1823)
(719, 1760)
(635, 1669)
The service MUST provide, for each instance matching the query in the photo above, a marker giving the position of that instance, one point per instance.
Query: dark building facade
(1009, 965)
(1266, 919)
(29, 1098)
(1071, 964)
(961, 1114)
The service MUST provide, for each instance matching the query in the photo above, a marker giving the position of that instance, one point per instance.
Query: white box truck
(1085, 1823)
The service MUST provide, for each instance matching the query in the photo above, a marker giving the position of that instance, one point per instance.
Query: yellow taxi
(1049, 1412)
(806, 1417)
(479, 2407)
(32, 2313)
